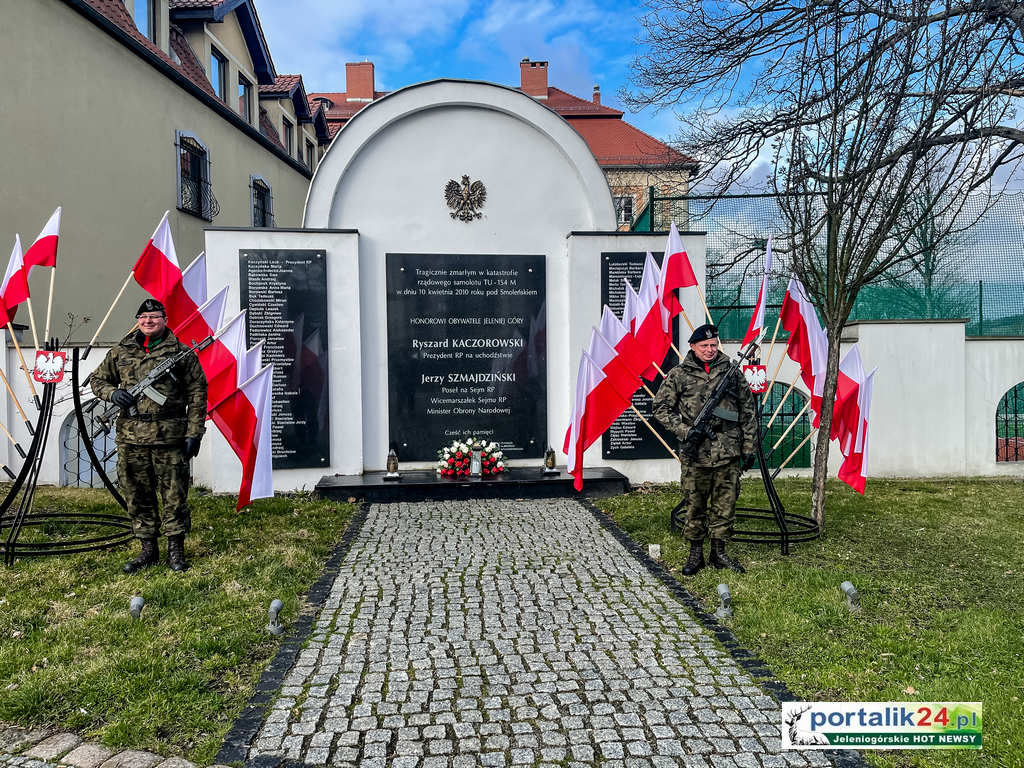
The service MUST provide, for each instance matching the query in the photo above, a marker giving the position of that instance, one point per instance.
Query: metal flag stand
(790, 527)
(16, 509)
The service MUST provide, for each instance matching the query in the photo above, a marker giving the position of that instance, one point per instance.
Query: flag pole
(15, 443)
(655, 432)
(688, 323)
(774, 333)
(49, 305)
(783, 400)
(790, 457)
(24, 366)
(774, 377)
(32, 324)
(106, 317)
(17, 403)
(704, 304)
(792, 424)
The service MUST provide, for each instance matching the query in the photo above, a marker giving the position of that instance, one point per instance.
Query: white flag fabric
(193, 279)
(756, 328)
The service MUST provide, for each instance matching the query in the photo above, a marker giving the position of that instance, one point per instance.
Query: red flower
(458, 454)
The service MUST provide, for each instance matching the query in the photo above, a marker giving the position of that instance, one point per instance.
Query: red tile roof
(115, 11)
(194, 3)
(614, 142)
(267, 129)
(283, 84)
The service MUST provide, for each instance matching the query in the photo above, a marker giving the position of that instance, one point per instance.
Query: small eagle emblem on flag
(757, 377)
(49, 367)
(465, 199)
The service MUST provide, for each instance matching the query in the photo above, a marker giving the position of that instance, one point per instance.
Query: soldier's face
(152, 323)
(706, 350)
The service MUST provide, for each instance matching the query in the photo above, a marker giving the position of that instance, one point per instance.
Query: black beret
(150, 305)
(703, 333)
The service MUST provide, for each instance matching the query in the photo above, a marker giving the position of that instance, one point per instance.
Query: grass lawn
(940, 570)
(71, 657)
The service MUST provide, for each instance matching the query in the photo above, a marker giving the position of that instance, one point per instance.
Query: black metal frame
(1010, 424)
(791, 528)
(23, 491)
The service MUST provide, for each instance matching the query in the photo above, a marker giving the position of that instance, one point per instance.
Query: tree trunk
(822, 442)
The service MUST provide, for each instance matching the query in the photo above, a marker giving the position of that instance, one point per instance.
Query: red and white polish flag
(846, 410)
(854, 469)
(220, 359)
(248, 409)
(676, 272)
(251, 363)
(630, 307)
(43, 252)
(157, 270)
(205, 320)
(807, 344)
(756, 328)
(613, 330)
(14, 288)
(590, 412)
(188, 294)
(651, 337)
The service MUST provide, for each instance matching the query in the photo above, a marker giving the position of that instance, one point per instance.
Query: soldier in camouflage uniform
(710, 484)
(154, 447)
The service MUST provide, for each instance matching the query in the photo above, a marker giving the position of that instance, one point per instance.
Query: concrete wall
(217, 465)
(385, 174)
(93, 130)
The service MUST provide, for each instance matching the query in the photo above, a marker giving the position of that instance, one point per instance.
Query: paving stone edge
(242, 733)
(751, 664)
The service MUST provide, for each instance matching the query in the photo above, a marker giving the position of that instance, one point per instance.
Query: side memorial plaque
(628, 438)
(466, 352)
(285, 292)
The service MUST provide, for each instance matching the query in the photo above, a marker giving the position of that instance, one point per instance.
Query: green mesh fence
(977, 274)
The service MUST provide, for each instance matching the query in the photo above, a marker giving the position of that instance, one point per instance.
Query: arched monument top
(358, 134)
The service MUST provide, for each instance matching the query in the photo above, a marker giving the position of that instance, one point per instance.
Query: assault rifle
(703, 427)
(145, 385)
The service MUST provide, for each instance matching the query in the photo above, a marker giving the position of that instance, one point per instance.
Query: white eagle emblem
(49, 367)
(757, 377)
(464, 199)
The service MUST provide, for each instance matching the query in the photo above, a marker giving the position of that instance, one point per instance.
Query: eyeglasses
(142, 318)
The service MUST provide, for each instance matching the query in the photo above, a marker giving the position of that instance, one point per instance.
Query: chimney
(359, 81)
(597, 94)
(533, 78)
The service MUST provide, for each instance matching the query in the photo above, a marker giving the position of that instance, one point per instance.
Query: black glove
(191, 447)
(748, 461)
(122, 398)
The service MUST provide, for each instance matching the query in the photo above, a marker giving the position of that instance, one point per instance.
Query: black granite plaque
(628, 438)
(466, 352)
(285, 292)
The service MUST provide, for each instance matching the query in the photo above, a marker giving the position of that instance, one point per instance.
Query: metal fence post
(650, 207)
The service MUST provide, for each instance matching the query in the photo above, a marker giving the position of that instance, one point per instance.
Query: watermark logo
(881, 725)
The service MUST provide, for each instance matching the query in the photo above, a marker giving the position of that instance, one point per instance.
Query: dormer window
(146, 13)
(289, 134)
(219, 73)
(325, 101)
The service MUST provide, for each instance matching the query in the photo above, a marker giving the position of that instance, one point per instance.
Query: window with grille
(624, 209)
(262, 203)
(195, 195)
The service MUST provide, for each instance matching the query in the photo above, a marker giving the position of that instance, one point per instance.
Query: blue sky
(586, 42)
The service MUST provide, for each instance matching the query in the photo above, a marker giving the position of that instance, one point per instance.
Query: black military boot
(721, 560)
(176, 552)
(695, 561)
(149, 555)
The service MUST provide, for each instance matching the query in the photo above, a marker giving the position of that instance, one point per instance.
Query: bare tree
(857, 106)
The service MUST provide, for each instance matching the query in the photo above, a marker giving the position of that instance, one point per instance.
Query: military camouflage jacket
(685, 390)
(184, 413)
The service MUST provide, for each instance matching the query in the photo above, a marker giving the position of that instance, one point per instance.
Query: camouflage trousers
(709, 500)
(146, 472)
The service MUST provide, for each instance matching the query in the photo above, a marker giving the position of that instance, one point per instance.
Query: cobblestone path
(512, 633)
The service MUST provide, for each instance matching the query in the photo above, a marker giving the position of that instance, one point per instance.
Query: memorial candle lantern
(476, 459)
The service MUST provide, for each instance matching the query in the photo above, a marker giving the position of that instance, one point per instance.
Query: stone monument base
(517, 482)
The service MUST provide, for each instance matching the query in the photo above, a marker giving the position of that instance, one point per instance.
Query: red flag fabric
(157, 270)
(846, 411)
(756, 325)
(248, 410)
(14, 288)
(676, 272)
(854, 469)
(651, 338)
(220, 359)
(807, 344)
(204, 321)
(594, 410)
(187, 294)
(614, 331)
(617, 374)
(43, 252)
